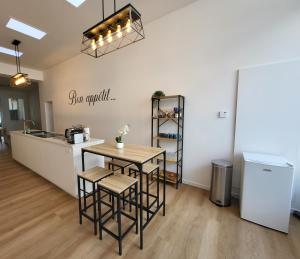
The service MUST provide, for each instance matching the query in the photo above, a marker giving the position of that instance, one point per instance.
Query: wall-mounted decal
(102, 96)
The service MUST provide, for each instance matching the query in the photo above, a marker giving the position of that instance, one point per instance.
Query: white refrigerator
(266, 190)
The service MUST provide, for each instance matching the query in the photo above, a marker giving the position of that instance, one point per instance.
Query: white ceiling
(64, 25)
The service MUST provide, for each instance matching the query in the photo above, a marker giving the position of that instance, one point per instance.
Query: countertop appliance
(74, 135)
(86, 134)
(266, 190)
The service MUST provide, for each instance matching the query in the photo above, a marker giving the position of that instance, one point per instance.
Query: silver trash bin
(221, 180)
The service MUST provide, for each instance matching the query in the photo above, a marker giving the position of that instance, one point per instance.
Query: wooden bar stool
(115, 165)
(116, 185)
(92, 176)
(148, 169)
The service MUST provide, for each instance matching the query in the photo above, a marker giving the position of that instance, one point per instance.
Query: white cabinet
(54, 159)
(266, 190)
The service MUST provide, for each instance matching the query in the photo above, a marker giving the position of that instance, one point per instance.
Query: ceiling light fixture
(25, 29)
(20, 79)
(9, 51)
(76, 3)
(118, 30)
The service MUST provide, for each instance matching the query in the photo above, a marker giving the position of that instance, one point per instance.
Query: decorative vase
(120, 145)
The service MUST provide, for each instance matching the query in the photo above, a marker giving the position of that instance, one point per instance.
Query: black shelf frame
(157, 122)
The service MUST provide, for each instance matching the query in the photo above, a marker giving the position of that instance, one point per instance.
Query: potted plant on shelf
(158, 93)
(119, 139)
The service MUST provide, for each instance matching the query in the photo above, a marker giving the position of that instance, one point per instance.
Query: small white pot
(120, 145)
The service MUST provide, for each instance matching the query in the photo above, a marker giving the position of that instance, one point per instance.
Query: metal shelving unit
(157, 121)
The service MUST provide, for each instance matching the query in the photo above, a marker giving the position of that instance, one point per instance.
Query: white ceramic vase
(120, 145)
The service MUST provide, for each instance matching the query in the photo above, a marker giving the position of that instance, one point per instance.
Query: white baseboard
(234, 193)
(195, 184)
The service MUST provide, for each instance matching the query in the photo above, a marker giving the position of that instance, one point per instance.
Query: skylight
(25, 29)
(9, 51)
(76, 3)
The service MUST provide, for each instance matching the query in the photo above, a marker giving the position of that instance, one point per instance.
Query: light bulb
(128, 26)
(109, 37)
(100, 41)
(93, 44)
(20, 80)
(119, 32)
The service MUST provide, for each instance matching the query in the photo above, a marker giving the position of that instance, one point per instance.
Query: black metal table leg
(79, 199)
(157, 188)
(82, 160)
(140, 167)
(113, 205)
(123, 195)
(130, 191)
(99, 213)
(147, 190)
(84, 196)
(119, 224)
(83, 169)
(94, 209)
(164, 187)
(136, 208)
(130, 199)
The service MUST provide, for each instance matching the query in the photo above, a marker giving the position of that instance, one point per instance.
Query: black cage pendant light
(118, 30)
(20, 79)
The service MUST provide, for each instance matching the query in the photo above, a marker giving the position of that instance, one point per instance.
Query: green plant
(158, 93)
(118, 139)
(123, 131)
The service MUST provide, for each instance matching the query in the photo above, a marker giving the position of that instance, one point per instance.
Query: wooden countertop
(130, 152)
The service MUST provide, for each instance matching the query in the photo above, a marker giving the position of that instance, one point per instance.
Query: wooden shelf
(161, 119)
(167, 139)
(170, 177)
(166, 118)
(166, 97)
(169, 160)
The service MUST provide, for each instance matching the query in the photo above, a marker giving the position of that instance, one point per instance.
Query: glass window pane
(15, 104)
(9, 104)
(14, 115)
(21, 109)
(16, 109)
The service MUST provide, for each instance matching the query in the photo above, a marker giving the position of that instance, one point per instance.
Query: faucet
(24, 125)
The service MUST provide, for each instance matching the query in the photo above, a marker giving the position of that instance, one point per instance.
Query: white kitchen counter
(54, 159)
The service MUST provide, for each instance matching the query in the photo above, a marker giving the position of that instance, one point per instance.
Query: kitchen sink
(45, 134)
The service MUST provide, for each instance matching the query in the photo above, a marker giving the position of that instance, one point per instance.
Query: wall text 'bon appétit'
(102, 96)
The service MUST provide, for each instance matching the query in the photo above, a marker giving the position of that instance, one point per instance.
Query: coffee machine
(74, 135)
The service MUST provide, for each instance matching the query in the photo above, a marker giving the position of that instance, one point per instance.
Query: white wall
(268, 118)
(194, 51)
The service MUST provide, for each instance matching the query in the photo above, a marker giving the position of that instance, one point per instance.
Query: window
(16, 109)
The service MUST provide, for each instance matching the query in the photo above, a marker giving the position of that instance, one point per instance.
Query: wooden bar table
(138, 155)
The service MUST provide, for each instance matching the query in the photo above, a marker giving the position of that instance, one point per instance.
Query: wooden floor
(38, 220)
